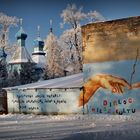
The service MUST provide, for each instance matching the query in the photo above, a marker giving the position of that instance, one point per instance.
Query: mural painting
(111, 55)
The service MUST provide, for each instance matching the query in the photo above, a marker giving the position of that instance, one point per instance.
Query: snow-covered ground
(69, 127)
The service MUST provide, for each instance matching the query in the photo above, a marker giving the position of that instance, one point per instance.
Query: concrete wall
(112, 49)
(44, 101)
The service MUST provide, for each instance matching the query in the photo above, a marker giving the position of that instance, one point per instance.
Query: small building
(55, 96)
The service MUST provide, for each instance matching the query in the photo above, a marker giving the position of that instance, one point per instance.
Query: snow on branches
(5, 23)
(94, 16)
(72, 15)
(72, 38)
(54, 66)
(74, 55)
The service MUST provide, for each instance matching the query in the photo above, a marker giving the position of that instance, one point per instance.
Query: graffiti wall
(44, 101)
(111, 54)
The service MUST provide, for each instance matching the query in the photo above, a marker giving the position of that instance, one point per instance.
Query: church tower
(38, 55)
(21, 55)
(21, 36)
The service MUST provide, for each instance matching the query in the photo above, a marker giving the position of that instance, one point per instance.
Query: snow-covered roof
(71, 81)
(40, 60)
(21, 56)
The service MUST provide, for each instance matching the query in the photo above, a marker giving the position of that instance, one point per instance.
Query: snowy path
(70, 127)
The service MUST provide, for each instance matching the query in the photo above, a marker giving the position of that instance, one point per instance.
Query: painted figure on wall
(113, 83)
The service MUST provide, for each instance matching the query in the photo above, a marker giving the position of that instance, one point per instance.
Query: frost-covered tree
(67, 40)
(11, 49)
(54, 61)
(94, 16)
(73, 16)
(6, 22)
(72, 38)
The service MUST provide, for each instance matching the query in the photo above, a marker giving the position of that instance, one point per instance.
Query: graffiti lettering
(59, 101)
(112, 111)
(35, 102)
(115, 107)
(33, 108)
(26, 96)
(40, 96)
(48, 101)
(22, 107)
(118, 102)
(53, 95)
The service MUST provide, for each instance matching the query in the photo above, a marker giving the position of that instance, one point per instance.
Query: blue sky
(39, 12)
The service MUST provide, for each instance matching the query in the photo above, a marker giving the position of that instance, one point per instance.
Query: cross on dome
(21, 21)
(50, 25)
(38, 31)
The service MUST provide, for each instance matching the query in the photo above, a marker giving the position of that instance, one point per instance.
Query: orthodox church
(22, 57)
(22, 63)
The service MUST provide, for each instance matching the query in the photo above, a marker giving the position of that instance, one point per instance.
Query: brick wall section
(111, 40)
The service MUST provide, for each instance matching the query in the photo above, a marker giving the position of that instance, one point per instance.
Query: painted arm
(113, 83)
(136, 85)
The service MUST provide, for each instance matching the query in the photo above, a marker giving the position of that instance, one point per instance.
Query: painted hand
(113, 83)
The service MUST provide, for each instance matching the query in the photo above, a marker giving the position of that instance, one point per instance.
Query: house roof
(72, 81)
